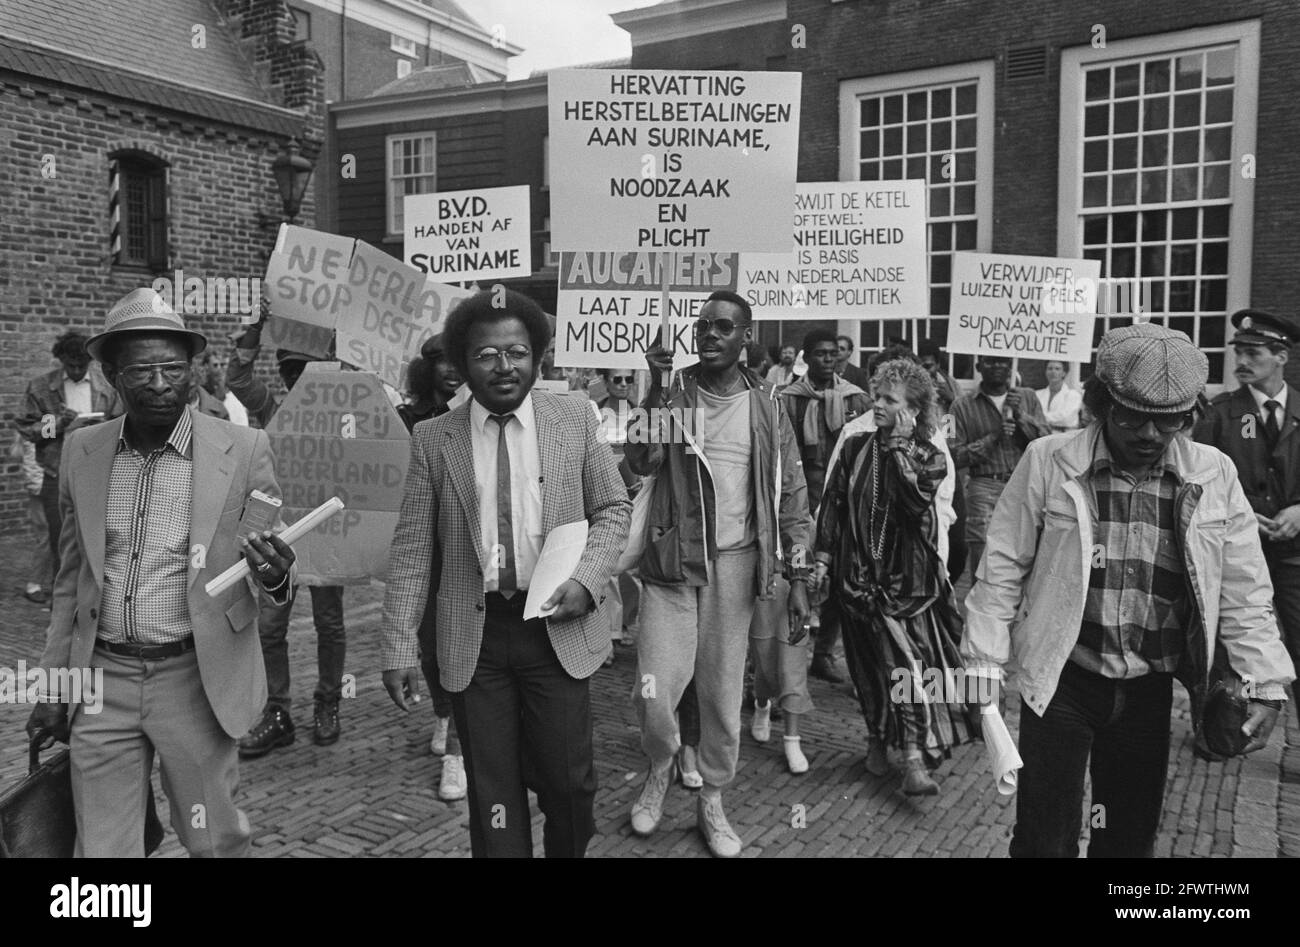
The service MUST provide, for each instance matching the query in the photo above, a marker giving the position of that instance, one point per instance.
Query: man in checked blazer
(487, 482)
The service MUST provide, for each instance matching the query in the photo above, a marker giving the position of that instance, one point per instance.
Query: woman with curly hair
(876, 542)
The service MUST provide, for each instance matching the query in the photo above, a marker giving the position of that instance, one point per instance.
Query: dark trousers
(1286, 601)
(428, 638)
(523, 721)
(828, 632)
(53, 519)
(331, 645)
(1124, 727)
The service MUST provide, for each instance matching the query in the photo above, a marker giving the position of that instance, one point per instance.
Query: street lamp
(292, 172)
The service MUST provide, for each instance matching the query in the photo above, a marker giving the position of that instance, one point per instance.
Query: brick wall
(55, 266)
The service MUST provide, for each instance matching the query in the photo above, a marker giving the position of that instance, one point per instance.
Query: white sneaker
(794, 757)
(649, 806)
(438, 745)
(723, 842)
(687, 769)
(453, 785)
(760, 728)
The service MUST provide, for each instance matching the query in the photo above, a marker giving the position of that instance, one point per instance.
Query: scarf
(829, 401)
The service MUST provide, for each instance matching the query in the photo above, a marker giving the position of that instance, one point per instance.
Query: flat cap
(1258, 327)
(1150, 368)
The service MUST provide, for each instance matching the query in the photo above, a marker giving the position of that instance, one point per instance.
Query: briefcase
(37, 819)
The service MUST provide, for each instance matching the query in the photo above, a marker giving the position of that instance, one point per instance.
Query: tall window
(1155, 188)
(403, 68)
(934, 126)
(412, 169)
(138, 210)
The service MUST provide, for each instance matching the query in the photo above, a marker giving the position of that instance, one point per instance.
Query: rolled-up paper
(1004, 759)
(290, 534)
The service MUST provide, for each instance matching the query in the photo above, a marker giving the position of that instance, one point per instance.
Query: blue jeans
(1123, 726)
(331, 645)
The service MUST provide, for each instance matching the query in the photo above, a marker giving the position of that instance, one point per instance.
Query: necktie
(1271, 430)
(505, 519)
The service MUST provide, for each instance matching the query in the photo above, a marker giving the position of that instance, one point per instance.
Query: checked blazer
(439, 523)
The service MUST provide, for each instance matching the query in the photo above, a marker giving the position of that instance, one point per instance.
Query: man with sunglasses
(1125, 555)
(1258, 426)
(729, 512)
(153, 504)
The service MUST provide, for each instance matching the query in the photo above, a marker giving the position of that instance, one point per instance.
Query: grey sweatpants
(702, 633)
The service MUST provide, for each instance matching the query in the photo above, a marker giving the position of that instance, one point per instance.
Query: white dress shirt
(525, 488)
(1279, 413)
(1063, 413)
(76, 394)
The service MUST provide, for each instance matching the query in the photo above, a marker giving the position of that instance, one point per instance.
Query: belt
(147, 652)
(998, 477)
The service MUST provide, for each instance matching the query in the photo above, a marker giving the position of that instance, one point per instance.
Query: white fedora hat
(143, 310)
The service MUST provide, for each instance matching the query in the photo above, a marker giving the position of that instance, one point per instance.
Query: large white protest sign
(654, 160)
(861, 252)
(456, 236)
(1023, 306)
(608, 306)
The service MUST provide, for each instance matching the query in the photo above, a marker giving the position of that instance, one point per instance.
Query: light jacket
(682, 534)
(1026, 607)
(45, 398)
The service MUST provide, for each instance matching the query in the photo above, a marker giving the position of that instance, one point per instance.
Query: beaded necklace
(879, 518)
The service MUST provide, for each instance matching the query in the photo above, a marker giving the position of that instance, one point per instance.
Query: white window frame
(984, 74)
(1070, 210)
(389, 142)
(401, 44)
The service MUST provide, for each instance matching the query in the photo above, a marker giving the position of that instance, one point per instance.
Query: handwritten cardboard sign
(608, 305)
(672, 161)
(336, 434)
(861, 252)
(458, 236)
(306, 275)
(1023, 306)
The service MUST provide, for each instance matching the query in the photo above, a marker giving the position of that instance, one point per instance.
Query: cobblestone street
(375, 791)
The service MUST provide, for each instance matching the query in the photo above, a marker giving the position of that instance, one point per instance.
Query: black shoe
(326, 720)
(275, 729)
(823, 666)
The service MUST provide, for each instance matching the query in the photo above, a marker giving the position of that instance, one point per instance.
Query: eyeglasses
(514, 354)
(620, 380)
(137, 376)
(1133, 420)
(724, 326)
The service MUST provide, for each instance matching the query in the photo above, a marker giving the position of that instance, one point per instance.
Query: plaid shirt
(978, 442)
(147, 539)
(1136, 607)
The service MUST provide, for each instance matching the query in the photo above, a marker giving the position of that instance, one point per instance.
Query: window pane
(870, 112)
(1125, 153)
(1220, 66)
(1187, 110)
(1094, 229)
(916, 138)
(1183, 185)
(1095, 156)
(916, 106)
(869, 171)
(1215, 181)
(965, 100)
(941, 136)
(893, 141)
(1153, 187)
(965, 133)
(1155, 76)
(1214, 221)
(1126, 80)
(1218, 105)
(1094, 191)
(940, 234)
(1155, 150)
(964, 235)
(963, 199)
(1189, 71)
(1124, 190)
(940, 102)
(1218, 144)
(1096, 120)
(870, 144)
(1155, 113)
(893, 109)
(1123, 228)
(1214, 258)
(1097, 84)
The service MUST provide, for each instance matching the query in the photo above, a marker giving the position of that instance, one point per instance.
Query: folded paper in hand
(1004, 759)
(555, 565)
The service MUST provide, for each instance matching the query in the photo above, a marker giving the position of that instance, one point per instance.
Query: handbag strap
(34, 748)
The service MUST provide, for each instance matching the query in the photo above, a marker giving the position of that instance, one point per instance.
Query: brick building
(141, 138)
(1141, 135)
(373, 46)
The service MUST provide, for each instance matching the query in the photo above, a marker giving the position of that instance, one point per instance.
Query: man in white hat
(152, 505)
(1136, 556)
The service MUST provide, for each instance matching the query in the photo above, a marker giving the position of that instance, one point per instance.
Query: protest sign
(457, 236)
(305, 275)
(336, 434)
(1023, 306)
(608, 307)
(672, 161)
(861, 252)
(303, 337)
(395, 309)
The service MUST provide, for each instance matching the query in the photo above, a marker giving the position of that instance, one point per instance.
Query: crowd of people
(1116, 538)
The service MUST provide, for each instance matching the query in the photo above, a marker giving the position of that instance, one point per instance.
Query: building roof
(451, 8)
(624, 62)
(141, 51)
(455, 75)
